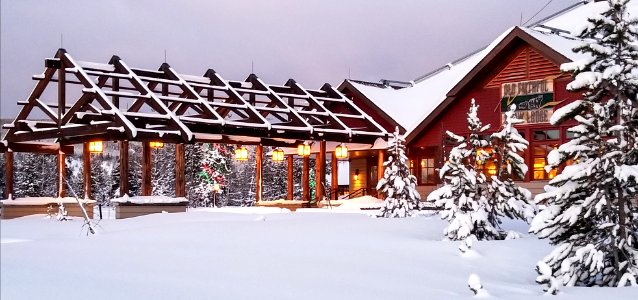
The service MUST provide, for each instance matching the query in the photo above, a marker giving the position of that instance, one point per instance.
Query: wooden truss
(113, 101)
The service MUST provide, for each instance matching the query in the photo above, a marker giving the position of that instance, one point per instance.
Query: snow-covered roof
(411, 105)
(113, 101)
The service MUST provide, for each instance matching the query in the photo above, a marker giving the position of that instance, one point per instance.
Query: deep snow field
(266, 253)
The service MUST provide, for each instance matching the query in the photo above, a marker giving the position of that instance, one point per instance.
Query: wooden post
(61, 173)
(305, 179)
(86, 165)
(258, 183)
(380, 170)
(147, 169)
(124, 184)
(334, 182)
(320, 166)
(8, 175)
(291, 183)
(180, 173)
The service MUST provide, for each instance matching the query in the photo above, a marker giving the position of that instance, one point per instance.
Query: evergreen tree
(398, 186)
(33, 173)
(74, 175)
(274, 177)
(508, 198)
(163, 173)
(135, 169)
(463, 196)
(589, 207)
(2, 170)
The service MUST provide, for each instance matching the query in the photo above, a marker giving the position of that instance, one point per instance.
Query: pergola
(114, 102)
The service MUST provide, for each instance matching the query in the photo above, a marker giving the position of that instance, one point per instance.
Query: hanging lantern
(156, 145)
(96, 147)
(303, 149)
(241, 153)
(216, 187)
(278, 155)
(341, 151)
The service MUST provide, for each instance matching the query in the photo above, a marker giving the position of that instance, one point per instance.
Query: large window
(544, 141)
(428, 171)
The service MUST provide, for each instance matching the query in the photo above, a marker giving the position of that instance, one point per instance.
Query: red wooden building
(521, 66)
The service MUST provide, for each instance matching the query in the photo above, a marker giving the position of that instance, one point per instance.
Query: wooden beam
(305, 180)
(180, 171)
(61, 93)
(147, 169)
(320, 166)
(8, 175)
(124, 184)
(380, 170)
(334, 182)
(35, 147)
(291, 181)
(86, 165)
(61, 174)
(258, 183)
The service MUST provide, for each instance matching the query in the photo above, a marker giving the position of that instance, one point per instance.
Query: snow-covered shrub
(398, 186)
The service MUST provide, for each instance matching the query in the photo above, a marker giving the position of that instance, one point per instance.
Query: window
(539, 159)
(546, 135)
(428, 171)
(487, 167)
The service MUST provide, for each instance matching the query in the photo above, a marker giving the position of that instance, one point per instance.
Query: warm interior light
(96, 147)
(356, 175)
(411, 164)
(216, 187)
(303, 149)
(341, 151)
(278, 155)
(156, 145)
(423, 163)
(241, 153)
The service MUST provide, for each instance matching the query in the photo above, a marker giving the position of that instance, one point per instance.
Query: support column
(320, 166)
(305, 179)
(380, 169)
(147, 169)
(61, 173)
(86, 171)
(180, 173)
(258, 183)
(124, 184)
(8, 175)
(291, 183)
(334, 182)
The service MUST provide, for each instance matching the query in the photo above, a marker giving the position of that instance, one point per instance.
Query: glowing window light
(156, 145)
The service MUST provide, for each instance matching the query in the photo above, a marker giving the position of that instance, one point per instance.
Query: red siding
(522, 64)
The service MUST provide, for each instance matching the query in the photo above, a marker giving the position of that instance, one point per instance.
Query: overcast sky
(312, 41)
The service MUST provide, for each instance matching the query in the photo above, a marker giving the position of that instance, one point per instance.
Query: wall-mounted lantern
(241, 153)
(303, 149)
(341, 151)
(96, 147)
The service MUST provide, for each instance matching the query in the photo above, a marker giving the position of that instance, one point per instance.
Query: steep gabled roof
(113, 101)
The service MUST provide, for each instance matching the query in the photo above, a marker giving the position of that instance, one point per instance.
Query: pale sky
(311, 41)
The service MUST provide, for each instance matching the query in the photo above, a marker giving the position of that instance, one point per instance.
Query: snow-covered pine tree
(274, 178)
(163, 173)
(508, 198)
(590, 215)
(135, 168)
(74, 174)
(463, 194)
(33, 173)
(398, 186)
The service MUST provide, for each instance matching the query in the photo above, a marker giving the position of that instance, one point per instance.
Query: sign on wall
(534, 100)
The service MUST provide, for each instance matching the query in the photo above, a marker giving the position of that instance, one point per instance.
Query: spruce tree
(398, 186)
(462, 197)
(508, 198)
(590, 215)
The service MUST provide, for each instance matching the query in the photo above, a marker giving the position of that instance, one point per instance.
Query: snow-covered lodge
(521, 66)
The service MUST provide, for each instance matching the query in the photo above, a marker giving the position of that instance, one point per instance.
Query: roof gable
(514, 38)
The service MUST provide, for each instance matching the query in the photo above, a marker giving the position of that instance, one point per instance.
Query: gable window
(428, 171)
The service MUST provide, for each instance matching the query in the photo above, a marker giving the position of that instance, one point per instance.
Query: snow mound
(43, 201)
(149, 200)
(243, 210)
(365, 202)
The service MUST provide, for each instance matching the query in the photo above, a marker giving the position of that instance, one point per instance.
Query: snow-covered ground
(266, 253)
